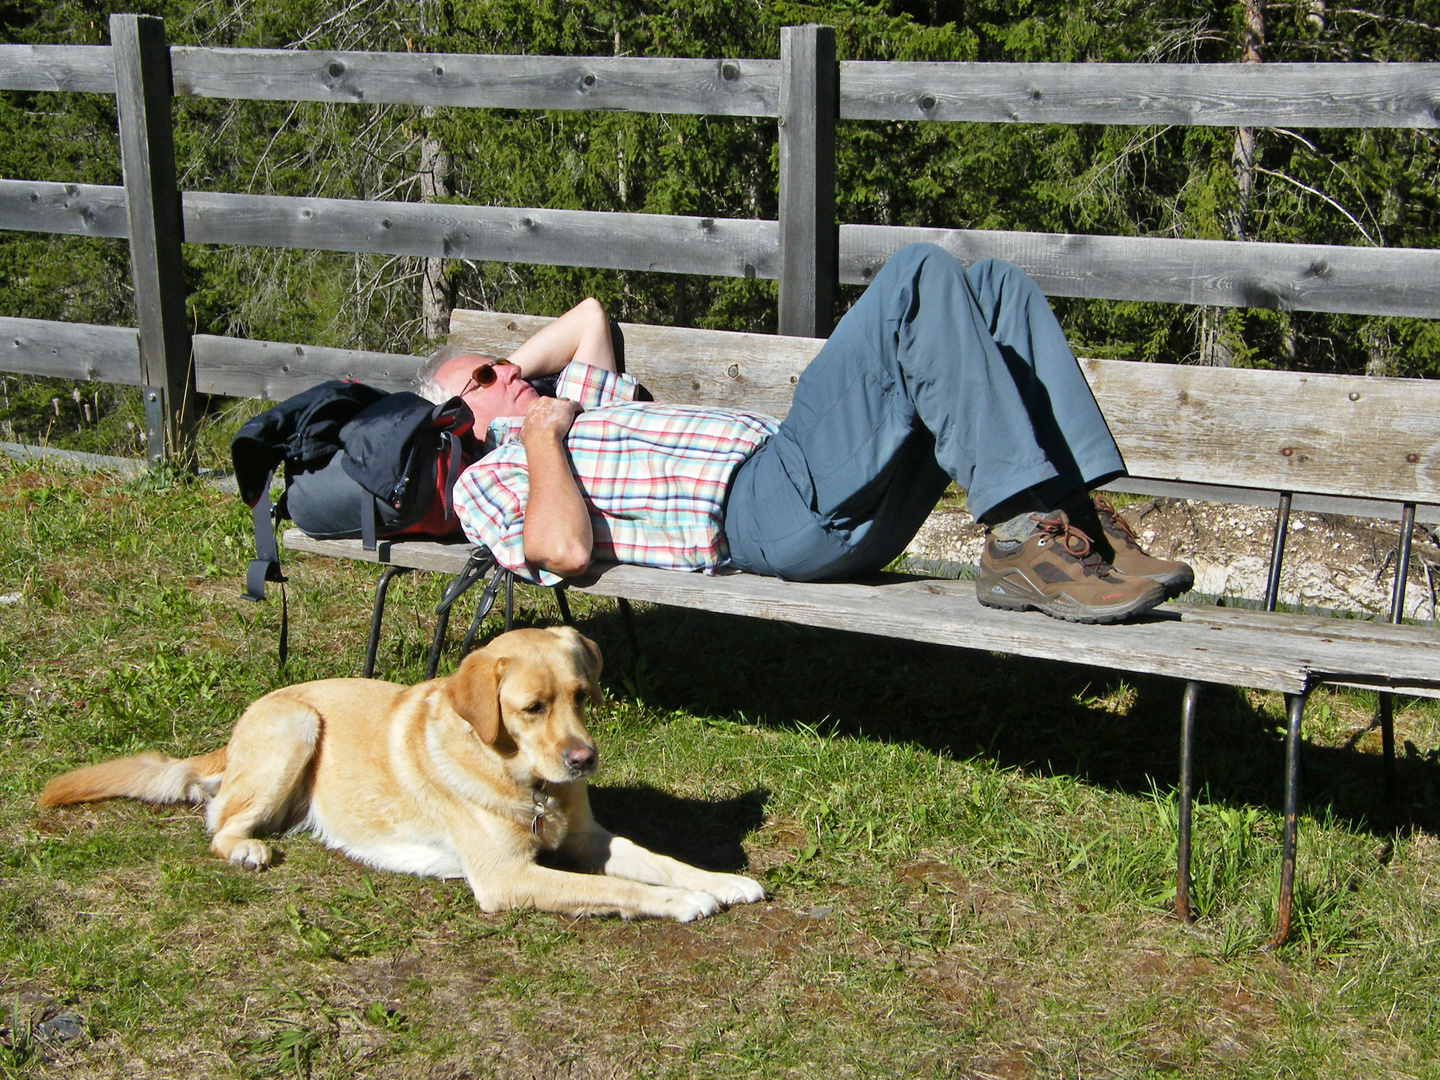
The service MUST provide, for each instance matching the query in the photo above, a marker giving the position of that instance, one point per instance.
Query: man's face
(506, 393)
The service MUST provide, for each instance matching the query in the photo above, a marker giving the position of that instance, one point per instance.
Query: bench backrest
(1345, 437)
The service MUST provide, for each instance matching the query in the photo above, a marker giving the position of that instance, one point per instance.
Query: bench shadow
(1114, 730)
(708, 833)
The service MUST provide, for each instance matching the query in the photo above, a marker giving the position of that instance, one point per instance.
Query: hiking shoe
(1127, 556)
(1058, 571)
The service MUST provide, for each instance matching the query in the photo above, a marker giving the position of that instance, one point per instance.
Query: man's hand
(557, 532)
(549, 418)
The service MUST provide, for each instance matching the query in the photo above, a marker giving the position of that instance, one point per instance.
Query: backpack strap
(450, 445)
(369, 521)
(266, 564)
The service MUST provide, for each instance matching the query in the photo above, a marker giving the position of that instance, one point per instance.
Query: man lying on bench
(937, 373)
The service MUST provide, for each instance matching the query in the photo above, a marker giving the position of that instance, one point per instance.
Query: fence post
(147, 155)
(809, 237)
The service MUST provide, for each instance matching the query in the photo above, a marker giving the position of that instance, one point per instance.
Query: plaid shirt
(653, 476)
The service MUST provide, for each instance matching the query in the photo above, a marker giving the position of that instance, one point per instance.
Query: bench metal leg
(1386, 718)
(1277, 551)
(381, 588)
(1295, 704)
(459, 585)
(1186, 797)
(481, 610)
(487, 602)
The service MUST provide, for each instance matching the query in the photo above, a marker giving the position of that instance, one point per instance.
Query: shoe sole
(1011, 592)
(1176, 584)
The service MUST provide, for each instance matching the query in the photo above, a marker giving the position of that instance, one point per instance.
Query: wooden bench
(1339, 444)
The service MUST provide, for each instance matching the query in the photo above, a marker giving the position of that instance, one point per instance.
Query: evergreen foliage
(1364, 187)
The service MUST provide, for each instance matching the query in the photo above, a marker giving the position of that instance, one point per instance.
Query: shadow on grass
(1116, 730)
(705, 832)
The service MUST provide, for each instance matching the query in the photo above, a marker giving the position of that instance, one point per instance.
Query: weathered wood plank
(1214, 95)
(652, 242)
(274, 370)
(433, 555)
(809, 92)
(71, 209)
(719, 368)
(1323, 434)
(85, 69)
(1298, 277)
(1287, 653)
(63, 350)
(631, 84)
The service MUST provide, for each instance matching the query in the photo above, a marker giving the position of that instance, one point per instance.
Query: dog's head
(525, 693)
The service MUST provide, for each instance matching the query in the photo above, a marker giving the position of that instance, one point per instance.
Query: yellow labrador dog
(467, 776)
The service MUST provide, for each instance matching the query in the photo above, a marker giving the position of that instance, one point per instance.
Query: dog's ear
(474, 692)
(593, 662)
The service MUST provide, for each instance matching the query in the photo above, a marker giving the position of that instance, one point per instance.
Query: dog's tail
(150, 777)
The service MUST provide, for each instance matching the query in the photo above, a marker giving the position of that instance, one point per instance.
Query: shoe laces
(1110, 516)
(1075, 542)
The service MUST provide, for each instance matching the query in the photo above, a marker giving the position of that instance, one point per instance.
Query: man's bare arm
(557, 533)
(582, 333)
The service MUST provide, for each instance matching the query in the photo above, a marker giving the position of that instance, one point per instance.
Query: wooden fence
(805, 249)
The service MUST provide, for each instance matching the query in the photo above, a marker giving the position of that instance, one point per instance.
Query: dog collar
(542, 807)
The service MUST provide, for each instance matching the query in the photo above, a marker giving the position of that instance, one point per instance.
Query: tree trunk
(1213, 350)
(1243, 157)
(436, 293)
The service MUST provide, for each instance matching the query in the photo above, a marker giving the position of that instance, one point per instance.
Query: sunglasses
(484, 376)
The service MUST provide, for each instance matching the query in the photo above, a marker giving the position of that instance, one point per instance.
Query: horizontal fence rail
(1205, 95)
(681, 245)
(86, 69)
(1287, 277)
(62, 350)
(723, 247)
(274, 370)
(611, 84)
(68, 209)
(1209, 95)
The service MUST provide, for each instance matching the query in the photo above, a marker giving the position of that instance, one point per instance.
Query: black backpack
(358, 463)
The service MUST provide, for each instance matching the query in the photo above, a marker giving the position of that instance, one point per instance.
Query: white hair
(426, 384)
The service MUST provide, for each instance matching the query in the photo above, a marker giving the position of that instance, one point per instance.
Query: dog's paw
(251, 854)
(736, 889)
(687, 906)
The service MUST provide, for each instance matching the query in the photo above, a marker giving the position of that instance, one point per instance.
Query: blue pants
(937, 373)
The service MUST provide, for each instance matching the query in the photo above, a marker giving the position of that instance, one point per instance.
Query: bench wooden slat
(1330, 434)
(1287, 653)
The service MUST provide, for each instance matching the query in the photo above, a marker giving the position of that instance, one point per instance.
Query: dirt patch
(1331, 562)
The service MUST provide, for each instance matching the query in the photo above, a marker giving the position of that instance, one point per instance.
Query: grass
(969, 856)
